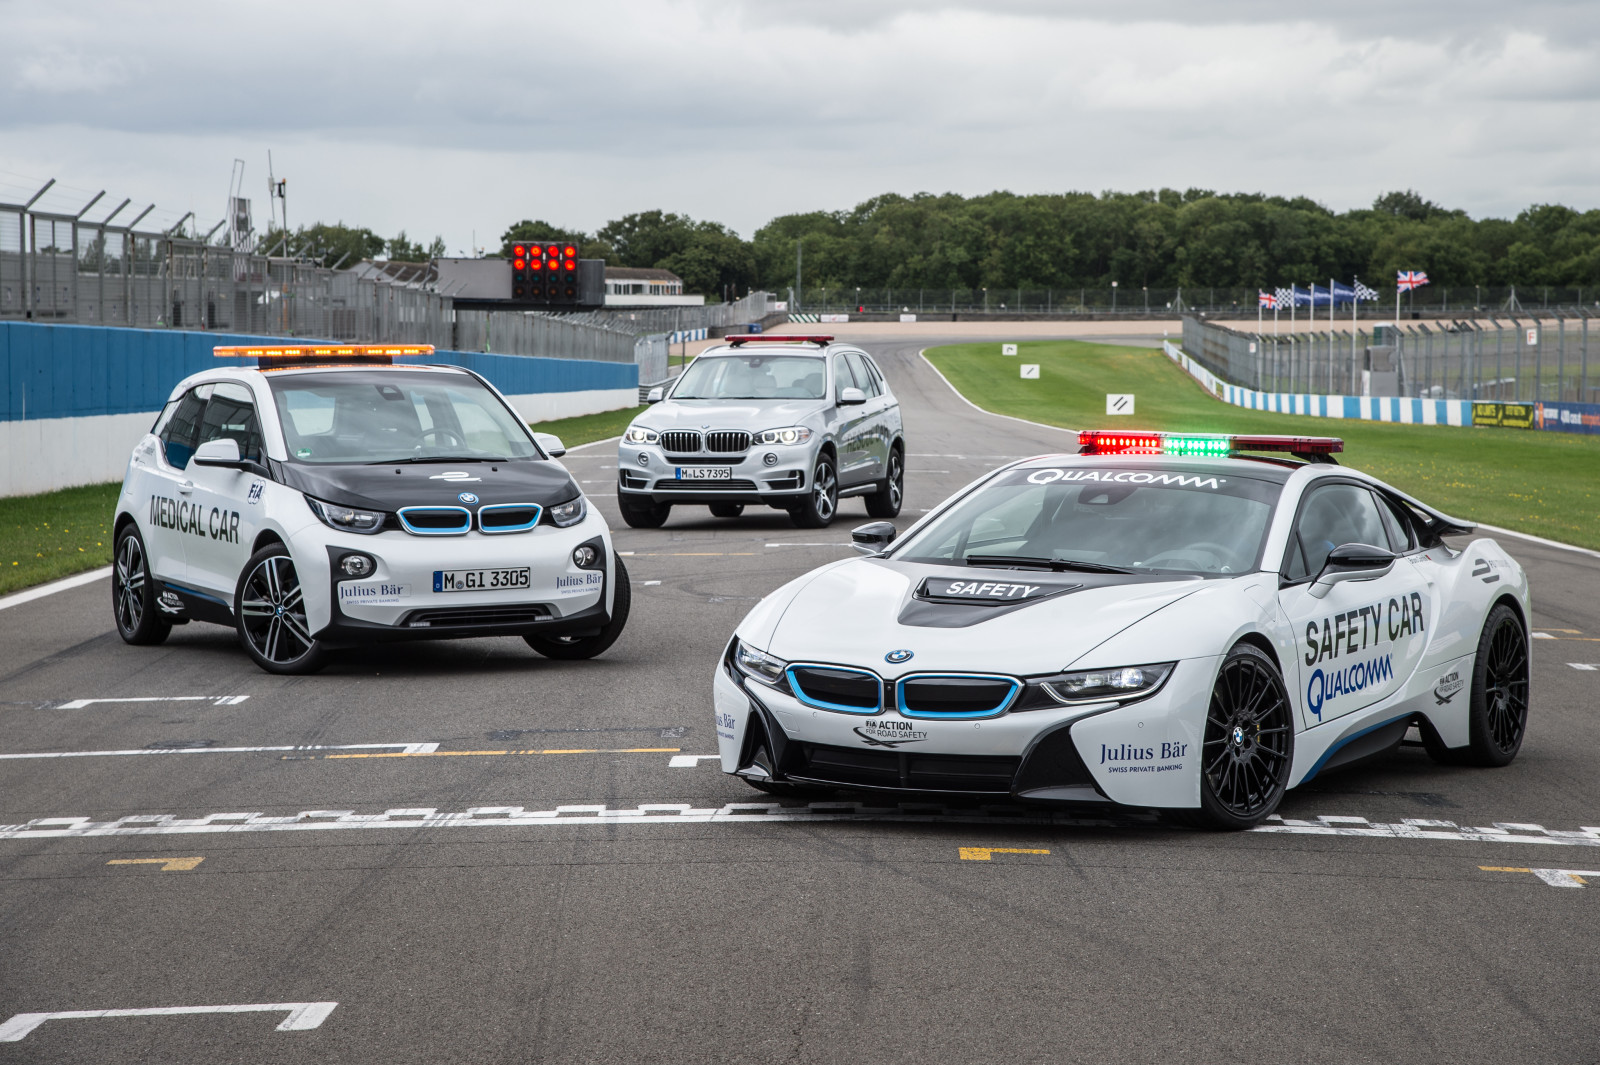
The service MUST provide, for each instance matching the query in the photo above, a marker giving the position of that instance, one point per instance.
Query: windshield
(1138, 520)
(388, 416)
(753, 377)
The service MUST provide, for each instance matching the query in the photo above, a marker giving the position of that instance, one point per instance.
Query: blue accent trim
(463, 511)
(186, 590)
(1329, 753)
(838, 708)
(538, 512)
(963, 715)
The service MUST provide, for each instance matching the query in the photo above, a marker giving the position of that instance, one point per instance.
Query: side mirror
(874, 537)
(223, 453)
(851, 397)
(1352, 562)
(655, 395)
(551, 444)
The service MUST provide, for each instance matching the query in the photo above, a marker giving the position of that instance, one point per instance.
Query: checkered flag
(1365, 293)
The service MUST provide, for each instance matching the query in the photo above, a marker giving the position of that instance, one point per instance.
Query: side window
(181, 434)
(1334, 514)
(842, 378)
(877, 375)
(1401, 538)
(864, 379)
(231, 415)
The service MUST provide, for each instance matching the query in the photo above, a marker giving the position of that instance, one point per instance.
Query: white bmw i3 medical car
(327, 498)
(1159, 621)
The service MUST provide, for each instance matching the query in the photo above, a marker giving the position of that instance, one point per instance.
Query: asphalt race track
(485, 856)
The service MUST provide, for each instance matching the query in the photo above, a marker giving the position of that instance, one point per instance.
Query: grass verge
(588, 428)
(57, 534)
(1543, 483)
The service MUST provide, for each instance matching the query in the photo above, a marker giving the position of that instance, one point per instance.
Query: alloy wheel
(272, 609)
(1246, 749)
(1505, 685)
(826, 491)
(129, 578)
(897, 475)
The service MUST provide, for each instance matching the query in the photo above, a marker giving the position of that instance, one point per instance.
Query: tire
(641, 513)
(1248, 747)
(726, 510)
(133, 592)
(572, 648)
(822, 502)
(269, 609)
(885, 502)
(1497, 713)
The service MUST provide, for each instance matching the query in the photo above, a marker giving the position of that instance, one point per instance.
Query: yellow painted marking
(1577, 639)
(982, 854)
(552, 750)
(168, 865)
(1572, 632)
(1505, 869)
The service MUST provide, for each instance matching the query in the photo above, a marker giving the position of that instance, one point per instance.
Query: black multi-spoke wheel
(1248, 745)
(133, 592)
(576, 647)
(885, 502)
(270, 606)
(823, 500)
(1498, 713)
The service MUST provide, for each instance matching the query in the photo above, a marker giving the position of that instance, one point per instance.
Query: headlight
(1103, 685)
(758, 664)
(569, 513)
(347, 519)
(638, 434)
(793, 434)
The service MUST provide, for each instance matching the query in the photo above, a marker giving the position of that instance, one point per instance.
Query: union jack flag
(1410, 279)
(1267, 300)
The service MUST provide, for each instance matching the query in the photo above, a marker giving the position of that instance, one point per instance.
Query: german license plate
(705, 473)
(478, 580)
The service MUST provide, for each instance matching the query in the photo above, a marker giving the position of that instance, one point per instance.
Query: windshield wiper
(1057, 564)
(439, 458)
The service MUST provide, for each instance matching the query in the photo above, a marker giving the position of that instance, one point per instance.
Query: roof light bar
(781, 338)
(279, 356)
(1116, 442)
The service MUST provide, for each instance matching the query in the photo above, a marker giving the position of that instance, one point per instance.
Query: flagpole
(1397, 302)
(1355, 316)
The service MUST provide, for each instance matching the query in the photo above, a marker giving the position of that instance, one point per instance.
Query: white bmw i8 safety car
(326, 498)
(1160, 621)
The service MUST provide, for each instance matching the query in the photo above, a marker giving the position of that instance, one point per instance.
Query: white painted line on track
(594, 443)
(923, 355)
(1539, 540)
(1411, 829)
(403, 748)
(1565, 878)
(28, 596)
(1542, 636)
(218, 700)
(649, 584)
(1587, 667)
(817, 543)
(689, 761)
(303, 1016)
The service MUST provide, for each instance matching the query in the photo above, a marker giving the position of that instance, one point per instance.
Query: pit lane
(841, 931)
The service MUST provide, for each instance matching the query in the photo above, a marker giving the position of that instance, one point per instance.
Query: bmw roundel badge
(467, 497)
(898, 656)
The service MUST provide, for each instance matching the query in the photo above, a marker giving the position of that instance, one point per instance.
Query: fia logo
(255, 494)
(454, 475)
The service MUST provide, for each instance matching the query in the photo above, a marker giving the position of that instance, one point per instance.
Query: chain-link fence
(1511, 359)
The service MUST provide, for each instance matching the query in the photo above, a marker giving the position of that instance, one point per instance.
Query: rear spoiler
(1439, 523)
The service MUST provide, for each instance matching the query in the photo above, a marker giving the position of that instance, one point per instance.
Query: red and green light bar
(1117, 442)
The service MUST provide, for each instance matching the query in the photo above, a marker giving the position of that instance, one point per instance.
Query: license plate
(478, 580)
(705, 473)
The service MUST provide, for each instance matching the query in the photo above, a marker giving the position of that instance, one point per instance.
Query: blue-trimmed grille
(435, 521)
(837, 688)
(496, 518)
(955, 695)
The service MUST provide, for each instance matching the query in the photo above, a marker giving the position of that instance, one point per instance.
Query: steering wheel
(455, 439)
(1218, 551)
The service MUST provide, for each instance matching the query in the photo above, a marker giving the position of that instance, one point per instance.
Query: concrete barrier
(77, 398)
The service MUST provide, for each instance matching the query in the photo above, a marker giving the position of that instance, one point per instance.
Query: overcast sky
(450, 118)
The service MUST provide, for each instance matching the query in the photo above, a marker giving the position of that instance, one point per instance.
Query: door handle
(185, 487)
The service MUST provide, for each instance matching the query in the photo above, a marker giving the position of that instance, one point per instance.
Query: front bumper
(399, 600)
(1142, 754)
(752, 480)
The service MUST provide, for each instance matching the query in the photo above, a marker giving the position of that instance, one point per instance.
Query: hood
(403, 484)
(859, 611)
(751, 414)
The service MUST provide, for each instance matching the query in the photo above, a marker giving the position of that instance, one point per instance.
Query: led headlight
(1106, 685)
(569, 513)
(638, 434)
(758, 664)
(354, 565)
(793, 434)
(347, 519)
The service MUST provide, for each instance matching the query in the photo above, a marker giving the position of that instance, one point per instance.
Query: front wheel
(817, 511)
(269, 606)
(726, 510)
(1248, 746)
(133, 592)
(641, 513)
(575, 647)
(885, 502)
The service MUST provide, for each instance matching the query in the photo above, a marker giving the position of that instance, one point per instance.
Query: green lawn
(1543, 483)
(55, 535)
(589, 427)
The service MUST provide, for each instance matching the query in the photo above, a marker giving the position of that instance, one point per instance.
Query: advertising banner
(1505, 415)
(1568, 417)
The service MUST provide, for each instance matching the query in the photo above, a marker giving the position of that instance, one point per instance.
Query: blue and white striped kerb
(683, 336)
(1396, 409)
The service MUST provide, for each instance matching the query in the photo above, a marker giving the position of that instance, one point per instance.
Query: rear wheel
(1497, 715)
(641, 513)
(822, 502)
(133, 592)
(1248, 745)
(269, 606)
(576, 647)
(727, 510)
(885, 502)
